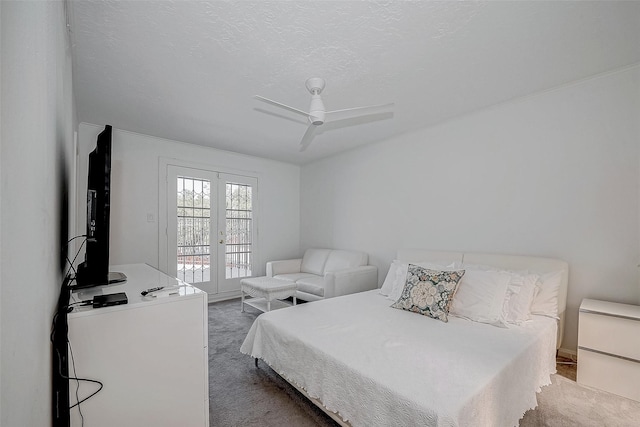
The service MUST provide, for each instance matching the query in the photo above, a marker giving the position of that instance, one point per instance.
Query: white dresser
(609, 347)
(151, 354)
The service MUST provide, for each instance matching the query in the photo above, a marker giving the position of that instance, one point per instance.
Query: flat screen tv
(94, 271)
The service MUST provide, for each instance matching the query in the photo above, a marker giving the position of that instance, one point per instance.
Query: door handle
(221, 241)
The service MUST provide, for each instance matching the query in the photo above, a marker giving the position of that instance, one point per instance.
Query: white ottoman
(264, 290)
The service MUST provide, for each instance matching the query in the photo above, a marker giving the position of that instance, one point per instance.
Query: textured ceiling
(187, 70)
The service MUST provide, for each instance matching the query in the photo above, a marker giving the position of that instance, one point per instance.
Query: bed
(367, 364)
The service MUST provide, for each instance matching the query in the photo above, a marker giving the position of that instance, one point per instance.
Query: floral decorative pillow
(429, 292)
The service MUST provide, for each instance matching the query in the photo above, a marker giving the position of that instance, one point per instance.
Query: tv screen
(94, 271)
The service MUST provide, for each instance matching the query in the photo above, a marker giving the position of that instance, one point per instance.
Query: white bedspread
(379, 366)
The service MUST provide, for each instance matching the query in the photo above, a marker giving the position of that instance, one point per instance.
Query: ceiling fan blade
(356, 112)
(277, 104)
(308, 137)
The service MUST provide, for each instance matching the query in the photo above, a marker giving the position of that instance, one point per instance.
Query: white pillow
(480, 296)
(387, 285)
(545, 302)
(401, 275)
(520, 293)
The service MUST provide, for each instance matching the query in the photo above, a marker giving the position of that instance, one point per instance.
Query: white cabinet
(609, 347)
(151, 354)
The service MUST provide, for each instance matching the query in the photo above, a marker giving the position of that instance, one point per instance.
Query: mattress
(374, 365)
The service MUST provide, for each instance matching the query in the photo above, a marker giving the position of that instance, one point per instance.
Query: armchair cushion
(294, 277)
(312, 285)
(341, 260)
(314, 260)
(350, 280)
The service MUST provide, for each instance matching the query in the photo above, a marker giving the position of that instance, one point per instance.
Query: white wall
(134, 194)
(37, 116)
(0, 212)
(555, 174)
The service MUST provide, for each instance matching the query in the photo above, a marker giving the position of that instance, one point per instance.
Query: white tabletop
(610, 308)
(140, 277)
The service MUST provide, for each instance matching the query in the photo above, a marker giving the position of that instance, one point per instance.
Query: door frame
(163, 249)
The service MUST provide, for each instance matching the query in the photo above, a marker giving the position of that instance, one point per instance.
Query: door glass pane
(194, 218)
(239, 229)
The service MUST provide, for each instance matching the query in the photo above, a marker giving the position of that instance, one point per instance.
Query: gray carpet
(565, 403)
(241, 395)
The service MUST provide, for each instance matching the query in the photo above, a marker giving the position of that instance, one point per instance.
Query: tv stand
(113, 277)
(151, 354)
(116, 277)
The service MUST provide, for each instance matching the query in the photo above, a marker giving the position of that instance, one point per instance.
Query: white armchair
(326, 273)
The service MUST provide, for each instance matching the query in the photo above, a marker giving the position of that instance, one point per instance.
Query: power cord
(73, 364)
(67, 308)
(71, 267)
(75, 377)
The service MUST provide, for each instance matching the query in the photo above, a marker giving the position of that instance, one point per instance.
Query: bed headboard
(507, 262)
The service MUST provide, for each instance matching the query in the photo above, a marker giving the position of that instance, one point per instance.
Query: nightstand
(609, 347)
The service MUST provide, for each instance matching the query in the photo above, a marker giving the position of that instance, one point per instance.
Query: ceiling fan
(317, 114)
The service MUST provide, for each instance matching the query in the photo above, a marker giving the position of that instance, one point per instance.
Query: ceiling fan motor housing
(316, 110)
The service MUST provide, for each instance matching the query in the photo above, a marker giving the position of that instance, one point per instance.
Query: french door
(210, 227)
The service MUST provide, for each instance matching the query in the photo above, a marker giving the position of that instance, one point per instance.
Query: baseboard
(211, 298)
(568, 354)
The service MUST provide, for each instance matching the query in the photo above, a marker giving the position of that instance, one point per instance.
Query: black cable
(78, 402)
(53, 327)
(74, 238)
(75, 378)
(75, 273)
(73, 363)
(75, 257)
(65, 308)
(75, 374)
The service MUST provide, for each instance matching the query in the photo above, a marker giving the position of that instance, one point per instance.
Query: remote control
(148, 291)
